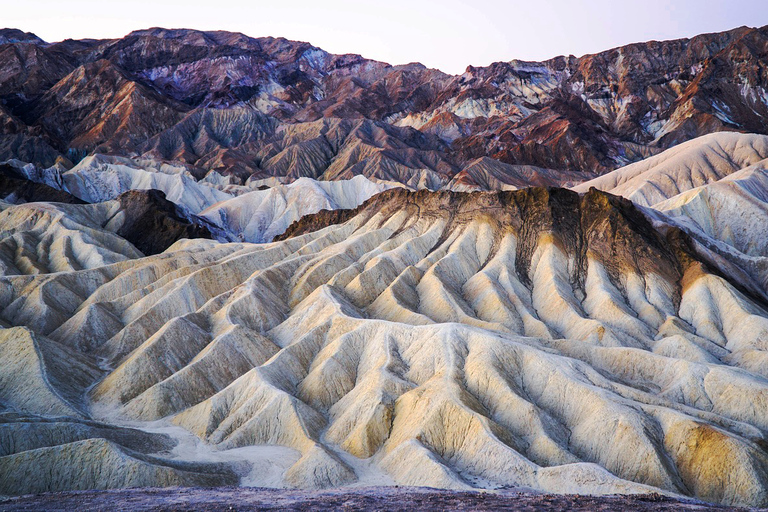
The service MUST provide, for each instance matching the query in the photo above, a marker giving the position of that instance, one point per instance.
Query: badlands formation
(539, 339)
(238, 261)
(255, 212)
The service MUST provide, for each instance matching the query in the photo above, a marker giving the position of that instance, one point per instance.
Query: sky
(448, 34)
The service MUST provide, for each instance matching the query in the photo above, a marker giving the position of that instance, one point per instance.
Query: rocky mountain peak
(14, 35)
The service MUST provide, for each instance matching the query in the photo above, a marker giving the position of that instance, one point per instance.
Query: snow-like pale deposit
(733, 210)
(260, 215)
(236, 212)
(387, 345)
(692, 164)
(99, 178)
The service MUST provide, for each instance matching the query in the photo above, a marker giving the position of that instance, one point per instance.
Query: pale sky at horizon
(448, 34)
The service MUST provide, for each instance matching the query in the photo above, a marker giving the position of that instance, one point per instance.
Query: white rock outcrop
(533, 338)
(260, 215)
(232, 212)
(689, 165)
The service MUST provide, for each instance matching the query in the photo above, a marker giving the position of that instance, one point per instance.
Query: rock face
(272, 107)
(100, 178)
(12, 35)
(260, 215)
(690, 165)
(174, 204)
(16, 188)
(90, 455)
(152, 223)
(488, 174)
(714, 188)
(532, 338)
(51, 237)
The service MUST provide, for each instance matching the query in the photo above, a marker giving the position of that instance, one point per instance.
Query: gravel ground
(373, 498)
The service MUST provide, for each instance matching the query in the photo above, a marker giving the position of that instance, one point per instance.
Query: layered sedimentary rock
(260, 215)
(532, 338)
(51, 237)
(91, 455)
(690, 165)
(488, 174)
(150, 222)
(220, 100)
(713, 187)
(170, 202)
(102, 178)
(556, 340)
(15, 187)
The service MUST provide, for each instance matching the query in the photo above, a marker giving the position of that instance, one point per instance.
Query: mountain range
(271, 107)
(244, 261)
